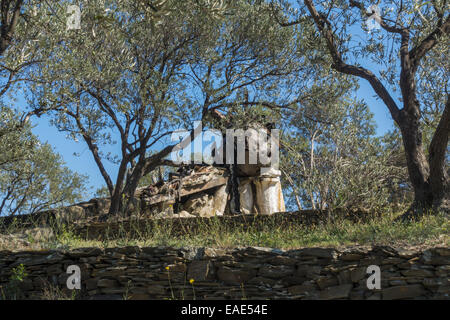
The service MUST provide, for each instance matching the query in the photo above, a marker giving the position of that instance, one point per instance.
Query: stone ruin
(206, 191)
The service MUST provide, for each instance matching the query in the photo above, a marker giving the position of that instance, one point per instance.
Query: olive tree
(122, 78)
(32, 176)
(407, 35)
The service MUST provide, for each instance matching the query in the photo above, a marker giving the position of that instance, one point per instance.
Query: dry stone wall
(251, 273)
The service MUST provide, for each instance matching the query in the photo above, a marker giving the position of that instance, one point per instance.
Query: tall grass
(431, 229)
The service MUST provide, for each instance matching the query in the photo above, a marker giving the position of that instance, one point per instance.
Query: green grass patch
(429, 230)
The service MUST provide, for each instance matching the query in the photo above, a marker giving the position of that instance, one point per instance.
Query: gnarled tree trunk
(428, 176)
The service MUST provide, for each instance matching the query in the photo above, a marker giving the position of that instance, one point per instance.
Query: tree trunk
(116, 196)
(115, 204)
(428, 177)
(417, 163)
(439, 178)
(132, 183)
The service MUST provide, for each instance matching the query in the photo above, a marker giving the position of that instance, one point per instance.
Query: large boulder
(201, 205)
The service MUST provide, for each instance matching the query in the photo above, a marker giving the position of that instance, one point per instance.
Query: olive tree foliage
(331, 157)
(391, 52)
(32, 177)
(124, 80)
(12, 45)
(20, 28)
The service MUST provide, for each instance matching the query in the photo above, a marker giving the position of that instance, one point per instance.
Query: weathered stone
(373, 260)
(327, 281)
(417, 273)
(156, 289)
(263, 281)
(294, 280)
(131, 251)
(214, 252)
(435, 283)
(431, 257)
(358, 274)
(239, 265)
(259, 250)
(193, 253)
(14, 241)
(219, 273)
(110, 272)
(444, 252)
(89, 253)
(392, 260)
(25, 284)
(136, 290)
(183, 214)
(220, 200)
(310, 272)
(48, 259)
(179, 267)
(402, 292)
(444, 289)
(306, 289)
(357, 295)
(139, 296)
(282, 261)
(374, 296)
(70, 214)
(345, 277)
(91, 284)
(275, 272)
(201, 205)
(102, 206)
(406, 254)
(54, 269)
(40, 234)
(106, 297)
(336, 292)
(412, 280)
(385, 251)
(201, 270)
(234, 276)
(329, 253)
(350, 256)
(107, 283)
(399, 282)
(443, 270)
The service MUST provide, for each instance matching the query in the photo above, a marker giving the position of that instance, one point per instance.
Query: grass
(429, 230)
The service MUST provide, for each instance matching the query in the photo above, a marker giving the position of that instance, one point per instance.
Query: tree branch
(429, 42)
(339, 65)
